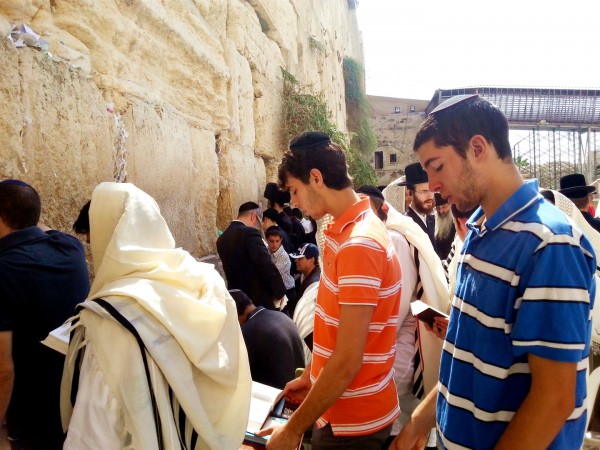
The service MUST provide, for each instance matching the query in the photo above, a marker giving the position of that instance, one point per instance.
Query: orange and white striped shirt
(360, 267)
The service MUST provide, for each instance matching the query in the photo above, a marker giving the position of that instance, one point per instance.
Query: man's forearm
(550, 401)
(7, 371)
(6, 386)
(333, 380)
(339, 370)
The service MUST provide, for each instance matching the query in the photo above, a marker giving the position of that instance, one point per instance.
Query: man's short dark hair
(20, 204)
(315, 150)
(82, 224)
(242, 301)
(297, 213)
(274, 231)
(271, 213)
(456, 125)
(376, 197)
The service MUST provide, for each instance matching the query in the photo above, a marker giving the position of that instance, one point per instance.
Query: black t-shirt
(274, 347)
(43, 276)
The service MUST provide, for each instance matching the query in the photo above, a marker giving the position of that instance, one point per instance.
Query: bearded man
(421, 207)
(444, 227)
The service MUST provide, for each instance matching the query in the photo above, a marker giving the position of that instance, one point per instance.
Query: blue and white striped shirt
(524, 285)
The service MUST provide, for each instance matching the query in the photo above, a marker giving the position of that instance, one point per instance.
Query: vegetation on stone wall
(305, 110)
(357, 108)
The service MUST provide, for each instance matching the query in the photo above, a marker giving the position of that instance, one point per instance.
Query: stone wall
(184, 97)
(395, 122)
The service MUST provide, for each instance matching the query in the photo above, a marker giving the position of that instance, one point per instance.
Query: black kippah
(310, 139)
(15, 183)
(248, 206)
(371, 191)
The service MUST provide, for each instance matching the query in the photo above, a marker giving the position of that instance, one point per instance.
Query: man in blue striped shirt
(513, 369)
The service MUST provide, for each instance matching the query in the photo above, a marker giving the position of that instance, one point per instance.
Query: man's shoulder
(368, 232)
(52, 241)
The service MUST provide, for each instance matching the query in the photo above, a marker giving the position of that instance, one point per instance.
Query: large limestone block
(160, 162)
(240, 97)
(55, 130)
(279, 22)
(268, 111)
(243, 28)
(242, 179)
(161, 51)
(205, 189)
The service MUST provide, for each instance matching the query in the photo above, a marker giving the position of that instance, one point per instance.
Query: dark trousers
(323, 439)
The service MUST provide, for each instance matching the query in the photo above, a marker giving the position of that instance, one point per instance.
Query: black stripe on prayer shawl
(182, 423)
(78, 361)
(418, 386)
(129, 327)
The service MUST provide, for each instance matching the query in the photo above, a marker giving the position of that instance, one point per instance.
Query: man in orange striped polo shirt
(349, 390)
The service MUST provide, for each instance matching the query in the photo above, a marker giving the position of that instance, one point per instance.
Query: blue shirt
(524, 285)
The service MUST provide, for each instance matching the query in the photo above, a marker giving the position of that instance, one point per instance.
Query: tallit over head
(134, 255)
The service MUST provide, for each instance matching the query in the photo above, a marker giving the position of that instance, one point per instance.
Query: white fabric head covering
(181, 311)
(394, 194)
(134, 255)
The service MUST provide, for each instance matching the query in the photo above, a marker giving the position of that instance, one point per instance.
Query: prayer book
(58, 339)
(425, 313)
(267, 408)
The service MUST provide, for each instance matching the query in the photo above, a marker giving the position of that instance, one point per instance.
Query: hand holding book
(434, 320)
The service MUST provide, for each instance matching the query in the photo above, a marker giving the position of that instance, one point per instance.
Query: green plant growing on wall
(358, 110)
(306, 111)
(317, 45)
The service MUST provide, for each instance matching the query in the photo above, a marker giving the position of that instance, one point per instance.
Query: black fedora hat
(414, 175)
(574, 186)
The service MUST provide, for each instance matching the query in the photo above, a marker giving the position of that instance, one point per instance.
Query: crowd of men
(162, 348)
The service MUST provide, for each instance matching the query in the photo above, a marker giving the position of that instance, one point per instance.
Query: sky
(413, 47)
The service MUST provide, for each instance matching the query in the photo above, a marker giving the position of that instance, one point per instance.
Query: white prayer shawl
(435, 290)
(573, 213)
(187, 322)
(304, 316)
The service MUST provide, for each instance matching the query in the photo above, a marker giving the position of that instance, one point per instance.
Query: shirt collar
(349, 216)
(423, 217)
(254, 312)
(19, 236)
(521, 199)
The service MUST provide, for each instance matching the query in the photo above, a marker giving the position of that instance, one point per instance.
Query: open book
(425, 313)
(267, 408)
(58, 339)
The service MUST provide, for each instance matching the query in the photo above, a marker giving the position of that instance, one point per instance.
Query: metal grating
(554, 132)
(525, 107)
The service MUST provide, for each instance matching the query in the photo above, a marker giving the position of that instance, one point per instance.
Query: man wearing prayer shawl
(156, 358)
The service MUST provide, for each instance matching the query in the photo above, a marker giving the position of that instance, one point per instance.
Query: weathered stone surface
(55, 130)
(197, 86)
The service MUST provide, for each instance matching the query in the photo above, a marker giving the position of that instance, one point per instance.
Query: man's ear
(479, 144)
(315, 177)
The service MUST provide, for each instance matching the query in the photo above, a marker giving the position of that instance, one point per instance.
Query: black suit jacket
(595, 223)
(429, 229)
(248, 266)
